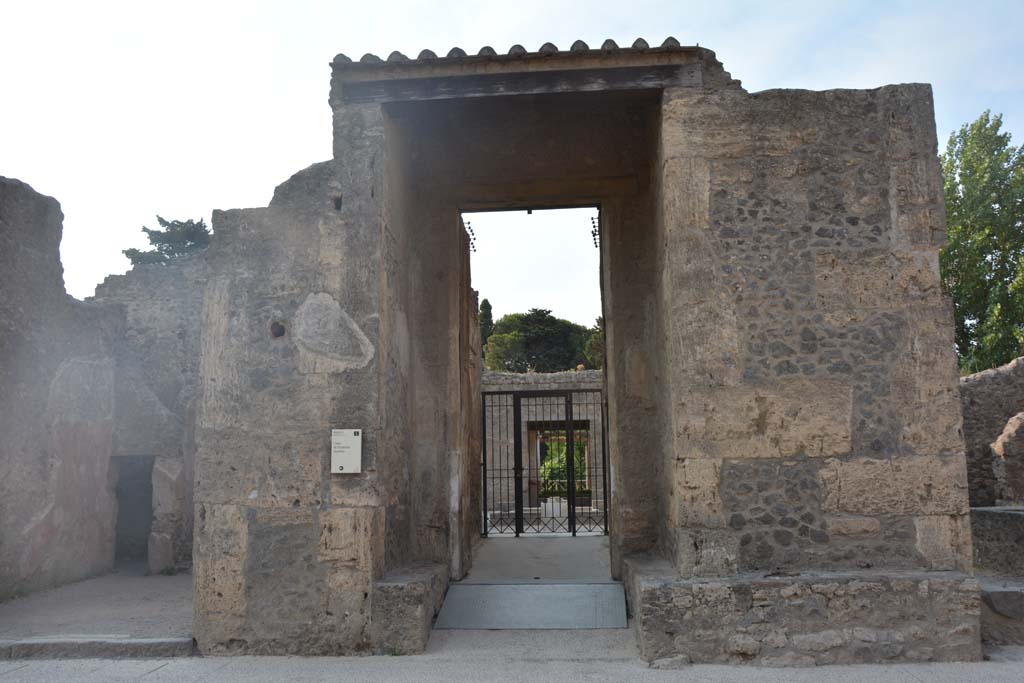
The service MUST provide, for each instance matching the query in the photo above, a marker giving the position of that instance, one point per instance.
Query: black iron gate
(544, 464)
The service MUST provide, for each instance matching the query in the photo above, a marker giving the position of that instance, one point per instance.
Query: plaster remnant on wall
(69, 403)
(328, 339)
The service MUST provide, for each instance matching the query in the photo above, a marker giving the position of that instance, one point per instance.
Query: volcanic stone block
(944, 541)
(803, 619)
(222, 545)
(1002, 610)
(905, 485)
(924, 382)
(405, 602)
(353, 537)
(768, 422)
(998, 534)
(876, 279)
(697, 485)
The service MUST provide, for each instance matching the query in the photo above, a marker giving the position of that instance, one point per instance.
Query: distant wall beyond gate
(542, 381)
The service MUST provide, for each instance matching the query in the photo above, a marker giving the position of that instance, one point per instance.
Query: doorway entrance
(134, 490)
(543, 463)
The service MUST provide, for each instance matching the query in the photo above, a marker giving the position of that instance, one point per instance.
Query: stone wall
(57, 504)
(542, 381)
(316, 318)
(989, 399)
(810, 371)
(813, 382)
(803, 619)
(157, 381)
(286, 329)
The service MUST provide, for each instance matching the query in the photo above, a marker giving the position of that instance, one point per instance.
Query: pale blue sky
(545, 259)
(122, 110)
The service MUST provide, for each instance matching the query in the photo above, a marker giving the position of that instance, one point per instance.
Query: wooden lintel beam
(523, 83)
(533, 193)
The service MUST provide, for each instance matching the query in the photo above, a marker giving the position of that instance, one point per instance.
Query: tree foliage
(505, 353)
(593, 348)
(981, 263)
(486, 321)
(554, 473)
(535, 340)
(175, 238)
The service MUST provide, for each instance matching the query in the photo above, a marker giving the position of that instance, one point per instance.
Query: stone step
(95, 647)
(533, 606)
(1002, 609)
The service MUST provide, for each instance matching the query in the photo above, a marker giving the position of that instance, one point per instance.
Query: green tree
(550, 344)
(505, 353)
(593, 348)
(981, 263)
(174, 239)
(486, 321)
(554, 473)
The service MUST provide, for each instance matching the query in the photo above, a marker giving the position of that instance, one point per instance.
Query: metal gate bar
(544, 462)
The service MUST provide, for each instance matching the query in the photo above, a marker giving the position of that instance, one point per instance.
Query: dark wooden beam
(522, 83)
(532, 193)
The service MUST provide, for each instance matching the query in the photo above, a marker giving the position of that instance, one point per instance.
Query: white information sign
(346, 451)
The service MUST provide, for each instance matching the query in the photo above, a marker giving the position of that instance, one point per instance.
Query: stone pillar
(286, 554)
(813, 384)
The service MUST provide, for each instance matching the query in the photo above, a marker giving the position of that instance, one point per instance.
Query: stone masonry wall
(782, 387)
(804, 619)
(989, 399)
(57, 504)
(287, 354)
(297, 340)
(816, 418)
(542, 381)
(157, 382)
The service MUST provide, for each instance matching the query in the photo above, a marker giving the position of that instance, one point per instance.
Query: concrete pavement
(475, 656)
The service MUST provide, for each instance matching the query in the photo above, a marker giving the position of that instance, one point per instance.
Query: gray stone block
(404, 605)
(803, 619)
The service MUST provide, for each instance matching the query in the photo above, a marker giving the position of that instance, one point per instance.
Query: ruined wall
(989, 399)
(57, 503)
(157, 378)
(542, 381)
(286, 554)
(815, 411)
(780, 375)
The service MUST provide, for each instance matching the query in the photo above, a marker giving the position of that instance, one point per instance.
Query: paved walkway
(476, 656)
(540, 559)
(122, 613)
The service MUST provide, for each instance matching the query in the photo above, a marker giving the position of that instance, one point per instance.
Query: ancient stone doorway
(134, 493)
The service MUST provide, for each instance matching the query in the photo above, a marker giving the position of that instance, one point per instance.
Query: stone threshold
(95, 647)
